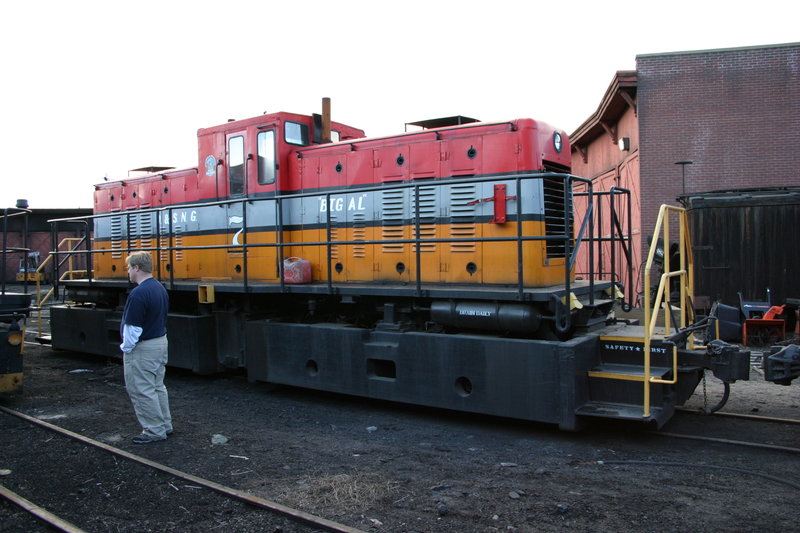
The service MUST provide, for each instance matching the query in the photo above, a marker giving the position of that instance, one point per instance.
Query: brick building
(733, 113)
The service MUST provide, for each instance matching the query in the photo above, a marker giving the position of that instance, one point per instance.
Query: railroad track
(422, 452)
(105, 484)
(761, 418)
(758, 433)
(752, 421)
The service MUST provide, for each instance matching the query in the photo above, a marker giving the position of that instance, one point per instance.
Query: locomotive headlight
(557, 142)
(15, 338)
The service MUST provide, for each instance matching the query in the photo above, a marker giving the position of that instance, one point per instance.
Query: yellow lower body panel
(462, 260)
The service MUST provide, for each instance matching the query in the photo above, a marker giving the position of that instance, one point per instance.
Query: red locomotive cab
(252, 157)
(249, 159)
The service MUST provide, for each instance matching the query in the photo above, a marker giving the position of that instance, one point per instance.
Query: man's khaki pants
(144, 381)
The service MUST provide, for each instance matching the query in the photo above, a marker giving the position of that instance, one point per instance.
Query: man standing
(144, 346)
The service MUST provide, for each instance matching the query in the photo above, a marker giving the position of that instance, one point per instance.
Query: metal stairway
(638, 370)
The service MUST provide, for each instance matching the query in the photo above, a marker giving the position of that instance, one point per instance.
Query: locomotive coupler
(728, 362)
(782, 364)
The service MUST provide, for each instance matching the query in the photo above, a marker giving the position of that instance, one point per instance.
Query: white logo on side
(236, 219)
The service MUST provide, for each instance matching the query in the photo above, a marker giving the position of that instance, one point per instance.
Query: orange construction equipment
(765, 330)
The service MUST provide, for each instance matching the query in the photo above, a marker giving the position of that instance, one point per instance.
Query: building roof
(716, 50)
(620, 95)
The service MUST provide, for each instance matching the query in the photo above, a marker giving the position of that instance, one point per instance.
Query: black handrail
(9, 212)
(279, 229)
(617, 236)
(57, 262)
(417, 241)
(171, 250)
(568, 216)
(328, 234)
(244, 246)
(520, 269)
(625, 248)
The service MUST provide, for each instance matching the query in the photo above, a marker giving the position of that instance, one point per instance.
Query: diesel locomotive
(436, 267)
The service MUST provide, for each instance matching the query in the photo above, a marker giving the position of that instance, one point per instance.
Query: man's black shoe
(147, 439)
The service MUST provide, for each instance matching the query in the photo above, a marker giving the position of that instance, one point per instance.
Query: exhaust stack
(326, 120)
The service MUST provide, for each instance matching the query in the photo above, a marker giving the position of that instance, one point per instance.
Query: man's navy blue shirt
(147, 307)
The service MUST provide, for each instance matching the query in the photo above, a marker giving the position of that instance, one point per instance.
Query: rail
(684, 274)
(8, 213)
(165, 242)
(68, 257)
(620, 241)
(70, 273)
(277, 508)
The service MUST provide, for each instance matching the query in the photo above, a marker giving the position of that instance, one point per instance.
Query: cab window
(295, 133)
(266, 157)
(236, 165)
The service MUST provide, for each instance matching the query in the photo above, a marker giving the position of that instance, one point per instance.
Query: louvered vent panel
(554, 206)
(462, 217)
(359, 234)
(145, 231)
(427, 219)
(334, 235)
(392, 220)
(177, 254)
(163, 243)
(133, 230)
(116, 237)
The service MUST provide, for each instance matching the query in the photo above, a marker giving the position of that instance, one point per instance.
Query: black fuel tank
(487, 316)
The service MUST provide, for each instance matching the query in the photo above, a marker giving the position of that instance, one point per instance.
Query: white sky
(95, 88)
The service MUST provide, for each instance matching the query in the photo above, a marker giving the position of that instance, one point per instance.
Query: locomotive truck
(435, 267)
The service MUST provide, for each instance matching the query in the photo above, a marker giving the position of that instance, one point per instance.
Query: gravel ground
(393, 468)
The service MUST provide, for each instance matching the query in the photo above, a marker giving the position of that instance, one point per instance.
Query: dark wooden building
(745, 241)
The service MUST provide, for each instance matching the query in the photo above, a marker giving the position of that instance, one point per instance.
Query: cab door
(262, 175)
(235, 176)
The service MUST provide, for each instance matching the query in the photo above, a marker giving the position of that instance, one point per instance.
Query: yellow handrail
(685, 273)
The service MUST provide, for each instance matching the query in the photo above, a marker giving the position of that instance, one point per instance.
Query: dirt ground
(392, 468)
